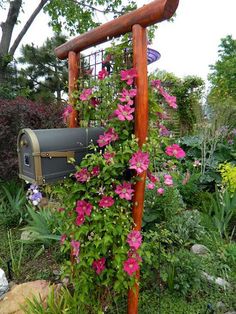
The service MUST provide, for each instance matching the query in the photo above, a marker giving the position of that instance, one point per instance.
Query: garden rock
(17, 295)
(3, 283)
(199, 249)
(234, 312)
(220, 306)
(219, 281)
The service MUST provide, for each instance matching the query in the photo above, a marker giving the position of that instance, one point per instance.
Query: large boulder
(17, 295)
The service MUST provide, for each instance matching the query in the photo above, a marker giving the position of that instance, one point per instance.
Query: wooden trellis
(135, 22)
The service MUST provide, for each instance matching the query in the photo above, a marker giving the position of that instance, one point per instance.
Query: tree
(76, 16)
(43, 75)
(223, 73)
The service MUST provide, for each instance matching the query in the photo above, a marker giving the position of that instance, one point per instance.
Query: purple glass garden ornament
(152, 55)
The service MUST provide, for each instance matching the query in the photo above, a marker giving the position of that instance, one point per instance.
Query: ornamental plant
(102, 249)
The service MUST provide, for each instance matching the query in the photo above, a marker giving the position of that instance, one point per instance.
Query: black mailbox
(44, 154)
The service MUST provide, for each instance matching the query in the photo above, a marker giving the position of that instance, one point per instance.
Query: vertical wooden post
(141, 129)
(73, 68)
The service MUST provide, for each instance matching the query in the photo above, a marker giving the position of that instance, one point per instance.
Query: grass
(31, 268)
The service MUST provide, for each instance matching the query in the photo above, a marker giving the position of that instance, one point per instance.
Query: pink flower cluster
(75, 245)
(175, 150)
(108, 156)
(83, 175)
(85, 94)
(139, 161)
(67, 111)
(131, 265)
(124, 191)
(109, 136)
(102, 74)
(83, 209)
(99, 265)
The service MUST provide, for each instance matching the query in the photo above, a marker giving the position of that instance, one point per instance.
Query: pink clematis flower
(63, 238)
(109, 136)
(99, 265)
(82, 175)
(102, 74)
(135, 255)
(95, 171)
(160, 191)
(124, 112)
(134, 239)
(75, 246)
(175, 150)
(94, 102)
(85, 94)
(124, 191)
(151, 186)
(130, 266)
(83, 207)
(168, 180)
(128, 75)
(106, 201)
(127, 95)
(139, 161)
(67, 111)
(80, 219)
(108, 157)
(151, 177)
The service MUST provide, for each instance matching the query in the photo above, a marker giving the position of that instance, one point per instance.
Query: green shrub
(159, 208)
(21, 113)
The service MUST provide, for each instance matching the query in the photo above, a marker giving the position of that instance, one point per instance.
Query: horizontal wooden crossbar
(149, 14)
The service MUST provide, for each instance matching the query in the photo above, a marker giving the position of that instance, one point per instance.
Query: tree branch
(26, 26)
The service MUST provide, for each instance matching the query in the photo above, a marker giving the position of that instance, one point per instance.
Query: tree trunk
(7, 53)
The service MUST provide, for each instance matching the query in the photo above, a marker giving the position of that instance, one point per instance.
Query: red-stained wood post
(73, 68)
(141, 132)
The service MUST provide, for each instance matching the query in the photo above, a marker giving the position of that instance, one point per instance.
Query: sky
(187, 46)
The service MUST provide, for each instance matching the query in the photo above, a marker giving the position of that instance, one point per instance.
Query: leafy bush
(187, 226)
(42, 226)
(184, 271)
(159, 208)
(13, 204)
(17, 114)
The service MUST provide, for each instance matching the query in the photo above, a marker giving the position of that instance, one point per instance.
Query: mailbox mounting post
(135, 22)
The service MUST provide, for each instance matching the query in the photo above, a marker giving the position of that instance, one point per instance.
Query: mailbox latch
(53, 154)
